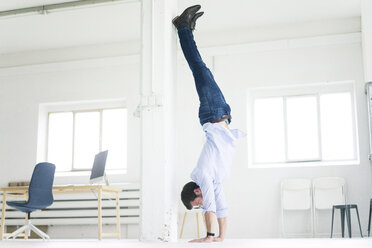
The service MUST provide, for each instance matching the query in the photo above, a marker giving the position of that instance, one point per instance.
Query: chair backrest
(328, 191)
(296, 194)
(40, 191)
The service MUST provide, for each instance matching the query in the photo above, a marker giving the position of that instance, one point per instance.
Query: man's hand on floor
(217, 239)
(203, 240)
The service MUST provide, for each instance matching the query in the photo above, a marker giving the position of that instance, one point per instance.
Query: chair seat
(22, 206)
(344, 206)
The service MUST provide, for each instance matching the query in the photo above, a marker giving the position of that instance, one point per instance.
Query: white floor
(230, 243)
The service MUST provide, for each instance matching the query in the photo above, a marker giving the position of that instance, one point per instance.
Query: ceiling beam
(44, 9)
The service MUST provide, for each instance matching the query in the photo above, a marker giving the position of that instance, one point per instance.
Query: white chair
(296, 196)
(327, 192)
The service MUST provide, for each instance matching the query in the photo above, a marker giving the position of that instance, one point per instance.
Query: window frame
(46, 109)
(301, 90)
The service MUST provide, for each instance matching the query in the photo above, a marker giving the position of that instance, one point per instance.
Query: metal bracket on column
(147, 103)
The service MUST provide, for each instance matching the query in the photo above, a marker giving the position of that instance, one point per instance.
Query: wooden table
(69, 189)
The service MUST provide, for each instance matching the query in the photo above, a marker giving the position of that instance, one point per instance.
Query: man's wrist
(210, 238)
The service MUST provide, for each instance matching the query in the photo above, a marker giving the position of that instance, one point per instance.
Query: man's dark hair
(188, 195)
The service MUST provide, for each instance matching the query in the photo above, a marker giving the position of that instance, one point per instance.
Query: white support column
(157, 110)
(366, 16)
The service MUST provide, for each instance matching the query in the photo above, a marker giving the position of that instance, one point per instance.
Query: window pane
(86, 139)
(60, 140)
(268, 130)
(114, 137)
(336, 126)
(302, 128)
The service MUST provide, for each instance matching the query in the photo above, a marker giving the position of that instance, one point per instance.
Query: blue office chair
(40, 196)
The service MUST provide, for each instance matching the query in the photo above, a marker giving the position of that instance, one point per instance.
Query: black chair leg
(348, 220)
(333, 213)
(342, 213)
(369, 219)
(360, 228)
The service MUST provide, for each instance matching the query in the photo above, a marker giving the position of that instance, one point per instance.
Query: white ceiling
(120, 21)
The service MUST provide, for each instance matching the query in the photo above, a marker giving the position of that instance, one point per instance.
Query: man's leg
(213, 107)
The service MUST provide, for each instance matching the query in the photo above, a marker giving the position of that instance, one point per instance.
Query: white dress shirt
(214, 165)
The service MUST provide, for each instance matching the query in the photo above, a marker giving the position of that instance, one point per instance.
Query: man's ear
(197, 191)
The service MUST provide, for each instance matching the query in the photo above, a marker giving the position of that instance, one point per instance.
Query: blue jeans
(212, 102)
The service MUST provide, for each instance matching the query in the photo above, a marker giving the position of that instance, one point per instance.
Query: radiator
(81, 208)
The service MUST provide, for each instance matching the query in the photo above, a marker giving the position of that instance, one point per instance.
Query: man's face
(198, 201)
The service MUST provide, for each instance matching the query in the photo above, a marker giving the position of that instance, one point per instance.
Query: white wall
(252, 194)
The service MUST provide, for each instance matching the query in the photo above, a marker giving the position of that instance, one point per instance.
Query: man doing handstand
(213, 167)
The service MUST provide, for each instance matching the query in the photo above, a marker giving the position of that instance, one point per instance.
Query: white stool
(196, 211)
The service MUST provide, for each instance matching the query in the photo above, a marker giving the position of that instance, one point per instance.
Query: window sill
(87, 173)
(302, 164)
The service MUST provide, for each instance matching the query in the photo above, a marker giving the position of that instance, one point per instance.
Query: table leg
(197, 224)
(183, 224)
(26, 231)
(3, 217)
(100, 214)
(117, 215)
(205, 223)
(369, 218)
(348, 219)
(360, 228)
(333, 214)
(342, 213)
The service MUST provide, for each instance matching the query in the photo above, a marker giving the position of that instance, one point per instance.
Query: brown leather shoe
(185, 19)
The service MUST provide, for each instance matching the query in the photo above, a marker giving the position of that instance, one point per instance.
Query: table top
(67, 188)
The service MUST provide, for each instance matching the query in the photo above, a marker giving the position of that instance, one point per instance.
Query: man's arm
(222, 224)
(221, 212)
(209, 202)
(210, 221)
